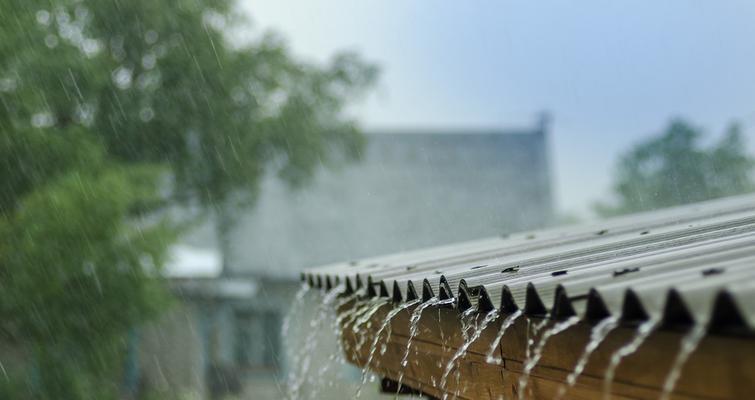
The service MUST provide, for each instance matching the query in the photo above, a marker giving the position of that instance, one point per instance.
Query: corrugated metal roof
(684, 265)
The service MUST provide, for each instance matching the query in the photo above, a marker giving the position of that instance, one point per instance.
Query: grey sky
(610, 72)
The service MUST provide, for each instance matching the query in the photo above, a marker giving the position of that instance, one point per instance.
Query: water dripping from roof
(337, 358)
(532, 331)
(598, 333)
(413, 330)
(386, 323)
(351, 316)
(300, 375)
(642, 333)
(366, 320)
(537, 353)
(468, 321)
(489, 317)
(688, 345)
(510, 319)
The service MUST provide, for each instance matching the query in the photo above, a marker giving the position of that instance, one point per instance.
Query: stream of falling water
(643, 331)
(365, 319)
(386, 322)
(532, 331)
(468, 321)
(413, 330)
(510, 319)
(297, 380)
(597, 335)
(346, 315)
(489, 317)
(337, 357)
(689, 344)
(537, 353)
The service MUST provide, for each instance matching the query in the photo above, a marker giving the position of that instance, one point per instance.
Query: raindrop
(51, 41)
(62, 17)
(42, 120)
(43, 17)
(151, 37)
(122, 78)
(84, 114)
(91, 47)
(149, 60)
(146, 114)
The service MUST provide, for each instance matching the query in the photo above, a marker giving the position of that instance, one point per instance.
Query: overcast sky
(610, 72)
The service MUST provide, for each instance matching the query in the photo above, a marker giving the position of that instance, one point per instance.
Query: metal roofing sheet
(684, 265)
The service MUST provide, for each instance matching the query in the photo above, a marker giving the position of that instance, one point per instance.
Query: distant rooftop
(412, 188)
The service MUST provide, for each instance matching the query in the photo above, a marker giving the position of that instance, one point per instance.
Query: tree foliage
(675, 168)
(111, 111)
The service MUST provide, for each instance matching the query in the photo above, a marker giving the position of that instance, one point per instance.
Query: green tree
(112, 112)
(675, 168)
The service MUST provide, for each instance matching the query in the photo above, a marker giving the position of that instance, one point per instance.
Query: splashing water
(297, 381)
(374, 304)
(643, 331)
(689, 344)
(372, 307)
(597, 335)
(413, 330)
(489, 317)
(466, 322)
(386, 322)
(537, 353)
(497, 341)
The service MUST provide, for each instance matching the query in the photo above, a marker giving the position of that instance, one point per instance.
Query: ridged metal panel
(681, 266)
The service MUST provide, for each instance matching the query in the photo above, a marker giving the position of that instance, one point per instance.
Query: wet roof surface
(687, 265)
